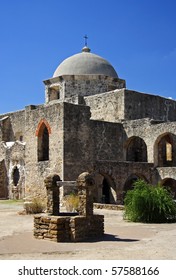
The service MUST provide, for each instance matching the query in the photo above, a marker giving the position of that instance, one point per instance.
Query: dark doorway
(170, 185)
(105, 192)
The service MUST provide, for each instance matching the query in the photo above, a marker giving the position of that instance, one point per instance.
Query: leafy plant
(149, 204)
(36, 205)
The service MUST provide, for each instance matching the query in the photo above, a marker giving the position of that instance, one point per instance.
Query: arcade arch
(136, 149)
(105, 191)
(129, 183)
(164, 150)
(170, 185)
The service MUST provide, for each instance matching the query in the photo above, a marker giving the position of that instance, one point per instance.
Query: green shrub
(149, 204)
(36, 205)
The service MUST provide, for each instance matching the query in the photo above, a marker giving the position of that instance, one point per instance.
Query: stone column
(85, 184)
(53, 199)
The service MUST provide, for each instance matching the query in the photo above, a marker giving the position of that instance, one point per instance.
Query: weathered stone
(73, 228)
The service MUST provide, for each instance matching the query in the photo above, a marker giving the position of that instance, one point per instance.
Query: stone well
(66, 227)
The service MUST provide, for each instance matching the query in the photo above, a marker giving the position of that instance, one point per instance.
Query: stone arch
(136, 149)
(164, 150)
(105, 191)
(41, 124)
(130, 182)
(43, 132)
(170, 185)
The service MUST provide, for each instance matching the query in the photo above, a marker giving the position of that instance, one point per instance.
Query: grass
(11, 201)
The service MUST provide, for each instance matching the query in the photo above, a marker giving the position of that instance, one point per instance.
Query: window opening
(43, 144)
(16, 176)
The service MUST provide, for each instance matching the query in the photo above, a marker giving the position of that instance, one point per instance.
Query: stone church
(90, 122)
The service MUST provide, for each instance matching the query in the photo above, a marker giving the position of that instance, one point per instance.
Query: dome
(85, 63)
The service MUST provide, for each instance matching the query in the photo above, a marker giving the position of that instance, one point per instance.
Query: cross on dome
(86, 48)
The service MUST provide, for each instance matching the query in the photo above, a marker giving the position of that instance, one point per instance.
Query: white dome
(85, 63)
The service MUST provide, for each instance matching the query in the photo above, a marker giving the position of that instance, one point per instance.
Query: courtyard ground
(122, 240)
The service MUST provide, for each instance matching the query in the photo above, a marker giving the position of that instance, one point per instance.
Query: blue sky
(138, 37)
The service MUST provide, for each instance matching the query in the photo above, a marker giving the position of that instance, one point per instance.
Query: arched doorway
(164, 150)
(170, 185)
(129, 183)
(105, 189)
(136, 149)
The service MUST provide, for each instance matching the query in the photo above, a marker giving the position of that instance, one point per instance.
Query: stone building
(89, 122)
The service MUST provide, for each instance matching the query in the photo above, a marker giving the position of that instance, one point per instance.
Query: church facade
(90, 122)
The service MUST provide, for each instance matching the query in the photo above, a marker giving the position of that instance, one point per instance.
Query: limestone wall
(138, 105)
(108, 106)
(150, 131)
(78, 144)
(65, 229)
(13, 126)
(69, 86)
(37, 170)
(107, 140)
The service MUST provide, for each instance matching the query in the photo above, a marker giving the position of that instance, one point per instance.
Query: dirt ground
(122, 240)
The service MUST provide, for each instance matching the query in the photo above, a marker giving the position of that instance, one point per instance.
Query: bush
(71, 203)
(36, 205)
(149, 204)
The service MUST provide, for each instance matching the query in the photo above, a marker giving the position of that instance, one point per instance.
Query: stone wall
(125, 104)
(86, 141)
(65, 229)
(78, 144)
(138, 105)
(107, 140)
(69, 86)
(13, 126)
(118, 173)
(37, 170)
(150, 131)
(108, 106)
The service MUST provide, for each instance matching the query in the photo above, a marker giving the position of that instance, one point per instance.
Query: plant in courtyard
(71, 202)
(149, 204)
(36, 205)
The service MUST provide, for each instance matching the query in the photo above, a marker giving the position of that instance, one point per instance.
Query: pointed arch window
(43, 132)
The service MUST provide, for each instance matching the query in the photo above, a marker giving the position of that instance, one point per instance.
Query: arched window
(16, 176)
(136, 150)
(43, 140)
(163, 149)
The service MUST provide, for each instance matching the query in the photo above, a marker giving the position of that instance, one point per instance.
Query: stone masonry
(89, 122)
(66, 227)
